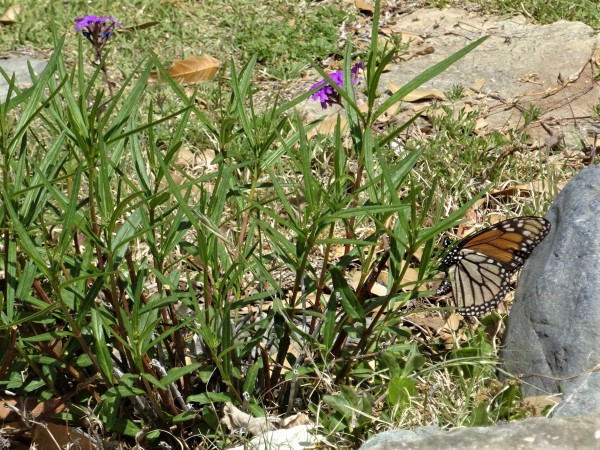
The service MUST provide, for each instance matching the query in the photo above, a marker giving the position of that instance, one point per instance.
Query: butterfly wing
(481, 265)
(479, 283)
(509, 242)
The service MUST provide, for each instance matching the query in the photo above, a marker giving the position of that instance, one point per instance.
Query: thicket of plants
(145, 296)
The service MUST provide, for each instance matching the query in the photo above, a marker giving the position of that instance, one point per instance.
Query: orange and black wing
(480, 266)
(509, 242)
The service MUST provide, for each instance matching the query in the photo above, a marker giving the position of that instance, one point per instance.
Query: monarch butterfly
(480, 266)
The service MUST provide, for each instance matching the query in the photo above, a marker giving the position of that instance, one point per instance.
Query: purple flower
(327, 95)
(96, 29)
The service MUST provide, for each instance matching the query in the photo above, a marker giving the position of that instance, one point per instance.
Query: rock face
(520, 65)
(538, 433)
(18, 65)
(552, 340)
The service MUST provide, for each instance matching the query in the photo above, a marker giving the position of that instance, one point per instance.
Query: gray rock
(538, 433)
(552, 339)
(403, 436)
(582, 398)
(521, 64)
(19, 66)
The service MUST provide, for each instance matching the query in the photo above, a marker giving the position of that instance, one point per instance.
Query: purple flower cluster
(96, 29)
(327, 95)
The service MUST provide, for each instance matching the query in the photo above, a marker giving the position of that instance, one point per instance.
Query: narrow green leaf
(176, 373)
(102, 353)
(344, 293)
(185, 416)
(209, 398)
(329, 325)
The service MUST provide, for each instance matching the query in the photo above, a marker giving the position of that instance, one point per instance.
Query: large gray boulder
(553, 339)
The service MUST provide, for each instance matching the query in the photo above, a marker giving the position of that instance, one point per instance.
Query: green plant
(151, 295)
(531, 113)
(456, 93)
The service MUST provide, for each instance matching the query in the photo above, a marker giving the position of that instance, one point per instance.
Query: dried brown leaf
(193, 69)
(477, 85)
(418, 94)
(540, 402)
(524, 190)
(428, 321)
(52, 436)
(407, 36)
(364, 6)
(11, 15)
(236, 420)
(295, 420)
(327, 127)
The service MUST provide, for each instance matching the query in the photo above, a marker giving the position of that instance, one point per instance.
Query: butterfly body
(480, 266)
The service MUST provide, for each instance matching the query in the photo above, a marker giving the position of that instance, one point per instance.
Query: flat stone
(520, 64)
(537, 433)
(18, 65)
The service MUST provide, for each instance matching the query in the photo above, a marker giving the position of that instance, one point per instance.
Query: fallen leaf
(540, 402)
(295, 420)
(453, 321)
(327, 127)
(193, 69)
(52, 436)
(237, 420)
(418, 94)
(430, 321)
(525, 190)
(469, 226)
(451, 333)
(418, 50)
(364, 6)
(407, 35)
(424, 50)
(480, 124)
(478, 85)
(10, 16)
(496, 217)
(411, 277)
(11, 408)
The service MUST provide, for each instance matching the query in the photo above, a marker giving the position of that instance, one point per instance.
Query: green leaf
(209, 398)
(344, 293)
(185, 416)
(400, 391)
(127, 391)
(102, 353)
(252, 377)
(479, 416)
(362, 211)
(176, 373)
(329, 325)
(338, 403)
